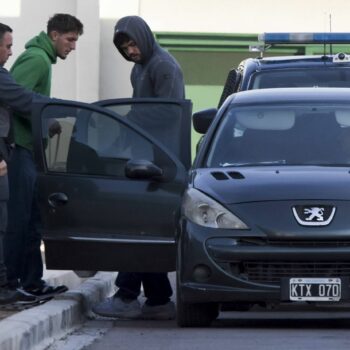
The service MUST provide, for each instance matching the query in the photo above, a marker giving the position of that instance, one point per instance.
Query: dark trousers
(22, 240)
(156, 286)
(3, 220)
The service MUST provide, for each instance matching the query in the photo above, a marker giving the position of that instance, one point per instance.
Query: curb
(40, 326)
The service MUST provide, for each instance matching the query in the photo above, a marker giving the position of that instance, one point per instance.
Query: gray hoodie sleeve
(14, 95)
(168, 81)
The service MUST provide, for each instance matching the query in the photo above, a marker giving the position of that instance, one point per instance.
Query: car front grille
(271, 272)
(294, 243)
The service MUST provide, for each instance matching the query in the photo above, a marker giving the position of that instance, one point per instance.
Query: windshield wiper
(265, 163)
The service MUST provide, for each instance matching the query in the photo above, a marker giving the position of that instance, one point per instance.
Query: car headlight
(204, 211)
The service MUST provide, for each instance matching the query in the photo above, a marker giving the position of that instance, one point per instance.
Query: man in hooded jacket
(32, 69)
(155, 74)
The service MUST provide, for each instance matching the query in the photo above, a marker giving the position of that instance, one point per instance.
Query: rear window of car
(306, 77)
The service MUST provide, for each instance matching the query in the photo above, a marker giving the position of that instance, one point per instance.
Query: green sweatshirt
(32, 69)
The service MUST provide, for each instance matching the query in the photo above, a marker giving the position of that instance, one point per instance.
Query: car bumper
(225, 266)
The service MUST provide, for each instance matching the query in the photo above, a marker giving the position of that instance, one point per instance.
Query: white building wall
(249, 16)
(76, 77)
(97, 71)
(87, 58)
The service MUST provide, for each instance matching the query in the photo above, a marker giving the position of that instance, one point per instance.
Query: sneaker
(10, 296)
(46, 291)
(118, 307)
(24, 297)
(159, 312)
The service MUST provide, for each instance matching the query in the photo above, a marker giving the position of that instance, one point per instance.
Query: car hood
(244, 185)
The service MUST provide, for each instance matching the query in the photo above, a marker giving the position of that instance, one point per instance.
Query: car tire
(194, 315)
(85, 274)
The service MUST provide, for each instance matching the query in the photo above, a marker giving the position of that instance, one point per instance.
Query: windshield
(285, 134)
(310, 77)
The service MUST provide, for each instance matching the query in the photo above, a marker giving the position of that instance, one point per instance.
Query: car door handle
(57, 199)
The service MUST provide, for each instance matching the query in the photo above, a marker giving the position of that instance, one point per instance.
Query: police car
(325, 70)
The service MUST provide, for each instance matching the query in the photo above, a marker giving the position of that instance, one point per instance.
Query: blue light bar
(305, 38)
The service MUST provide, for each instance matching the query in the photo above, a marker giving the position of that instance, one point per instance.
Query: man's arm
(168, 82)
(3, 167)
(15, 95)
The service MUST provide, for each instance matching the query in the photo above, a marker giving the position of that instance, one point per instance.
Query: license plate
(315, 289)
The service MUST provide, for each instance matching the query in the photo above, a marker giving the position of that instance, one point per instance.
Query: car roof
(291, 94)
(294, 61)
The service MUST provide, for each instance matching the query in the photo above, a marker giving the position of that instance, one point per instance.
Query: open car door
(110, 184)
(163, 121)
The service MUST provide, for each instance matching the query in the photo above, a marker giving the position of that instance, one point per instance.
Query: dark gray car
(265, 217)
(264, 213)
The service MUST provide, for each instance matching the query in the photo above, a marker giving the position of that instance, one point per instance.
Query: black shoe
(10, 296)
(46, 291)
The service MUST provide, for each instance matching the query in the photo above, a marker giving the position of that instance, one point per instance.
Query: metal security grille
(272, 272)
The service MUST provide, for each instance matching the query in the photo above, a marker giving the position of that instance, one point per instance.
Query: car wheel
(85, 274)
(194, 315)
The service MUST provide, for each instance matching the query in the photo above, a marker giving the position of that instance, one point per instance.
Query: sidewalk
(39, 326)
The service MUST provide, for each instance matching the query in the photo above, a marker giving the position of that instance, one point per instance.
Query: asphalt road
(280, 330)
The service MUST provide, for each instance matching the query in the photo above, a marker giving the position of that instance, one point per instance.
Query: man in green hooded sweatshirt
(32, 69)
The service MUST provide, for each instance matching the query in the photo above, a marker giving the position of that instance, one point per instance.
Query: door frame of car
(64, 250)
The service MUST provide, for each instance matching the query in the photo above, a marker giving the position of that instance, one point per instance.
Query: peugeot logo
(314, 215)
(315, 212)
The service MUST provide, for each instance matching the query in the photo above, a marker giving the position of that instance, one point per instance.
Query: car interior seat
(83, 159)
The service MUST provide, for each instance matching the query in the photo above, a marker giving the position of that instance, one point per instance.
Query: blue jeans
(22, 240)
(156, 286)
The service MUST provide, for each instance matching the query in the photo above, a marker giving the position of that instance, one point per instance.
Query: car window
(310, 77)
(286, 135)
(162, 121)
(92, 143)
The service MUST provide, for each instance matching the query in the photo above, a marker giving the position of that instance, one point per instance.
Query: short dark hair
(4, 29)
(120, 38)
(64, 23)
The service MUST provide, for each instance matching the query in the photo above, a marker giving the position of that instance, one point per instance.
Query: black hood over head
(139, 31)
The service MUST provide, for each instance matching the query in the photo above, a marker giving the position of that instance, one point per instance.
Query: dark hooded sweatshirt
(158, 74)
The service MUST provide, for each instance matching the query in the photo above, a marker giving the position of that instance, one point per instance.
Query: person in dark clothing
(16, 97)
(32, 69)
(155, 74)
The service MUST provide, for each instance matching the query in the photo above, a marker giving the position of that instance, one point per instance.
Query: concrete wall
(249, 16)
(77, 77)
(97, 71)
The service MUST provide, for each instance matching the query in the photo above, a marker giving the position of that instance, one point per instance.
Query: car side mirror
(142, 169)
(203, 119)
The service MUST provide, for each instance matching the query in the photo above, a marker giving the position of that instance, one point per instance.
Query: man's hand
(54, 128)
(3, 168)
